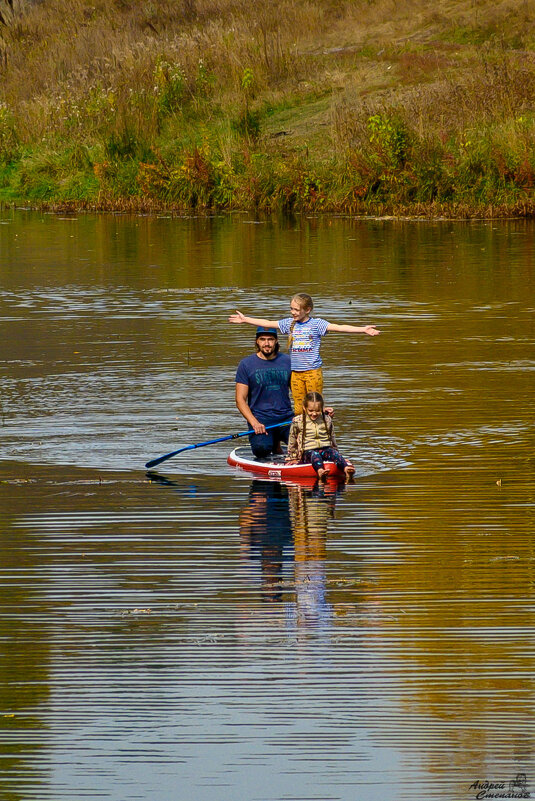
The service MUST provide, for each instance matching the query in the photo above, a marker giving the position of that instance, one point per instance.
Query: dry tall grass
(124, 78)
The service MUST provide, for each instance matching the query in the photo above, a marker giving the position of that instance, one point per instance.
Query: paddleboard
(274, 466)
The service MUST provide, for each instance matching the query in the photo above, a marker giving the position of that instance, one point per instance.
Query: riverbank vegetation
(362, 106)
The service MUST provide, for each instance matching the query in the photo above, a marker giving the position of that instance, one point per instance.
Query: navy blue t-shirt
(268, 381)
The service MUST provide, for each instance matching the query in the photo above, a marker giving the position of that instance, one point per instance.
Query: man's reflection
(266, 533)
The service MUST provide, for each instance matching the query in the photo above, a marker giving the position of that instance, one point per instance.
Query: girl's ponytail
(328, 429)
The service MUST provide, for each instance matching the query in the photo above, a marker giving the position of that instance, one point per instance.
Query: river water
(200, 634)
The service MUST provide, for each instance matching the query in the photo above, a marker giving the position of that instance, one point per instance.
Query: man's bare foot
(322, 474)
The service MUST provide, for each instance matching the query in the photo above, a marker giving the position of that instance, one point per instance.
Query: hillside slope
(368, 106)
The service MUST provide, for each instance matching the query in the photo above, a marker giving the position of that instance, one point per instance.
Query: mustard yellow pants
(303, 382)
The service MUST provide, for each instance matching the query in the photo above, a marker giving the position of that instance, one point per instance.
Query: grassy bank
(367, 107)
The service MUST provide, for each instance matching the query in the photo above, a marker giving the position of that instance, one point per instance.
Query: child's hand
(371, 330)
(329, 410)
(291, 461)
(238, 318)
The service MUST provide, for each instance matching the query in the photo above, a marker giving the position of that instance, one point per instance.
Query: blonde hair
(304, 300)
(313, 397)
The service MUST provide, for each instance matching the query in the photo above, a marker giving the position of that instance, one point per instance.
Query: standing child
(304, 340)
(312, 439)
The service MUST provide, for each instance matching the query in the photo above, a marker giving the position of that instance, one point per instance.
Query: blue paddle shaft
(164, 458)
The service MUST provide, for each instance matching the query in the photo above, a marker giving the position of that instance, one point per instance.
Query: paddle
(161, 459)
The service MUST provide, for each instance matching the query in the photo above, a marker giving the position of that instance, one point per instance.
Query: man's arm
(241, 318)
(242, 394)
(371, 330)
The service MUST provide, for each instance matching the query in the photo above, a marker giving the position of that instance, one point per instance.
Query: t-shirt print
(302, 341)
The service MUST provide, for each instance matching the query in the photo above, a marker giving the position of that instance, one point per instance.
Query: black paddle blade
(154, 462)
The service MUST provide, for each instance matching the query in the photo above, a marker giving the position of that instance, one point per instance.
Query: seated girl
(312, 439)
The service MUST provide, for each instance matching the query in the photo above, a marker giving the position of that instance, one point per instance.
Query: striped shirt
(306, 341)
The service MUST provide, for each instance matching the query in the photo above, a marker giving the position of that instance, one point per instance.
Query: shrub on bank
(494, 167)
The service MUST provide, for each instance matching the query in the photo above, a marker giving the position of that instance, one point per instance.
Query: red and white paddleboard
(274, 467)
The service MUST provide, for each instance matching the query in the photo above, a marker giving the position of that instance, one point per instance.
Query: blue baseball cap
(271, 331)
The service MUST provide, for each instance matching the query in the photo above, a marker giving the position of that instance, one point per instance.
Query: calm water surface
(198, 634)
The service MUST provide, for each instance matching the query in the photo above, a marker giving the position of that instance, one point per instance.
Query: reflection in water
(311, 510)
(24, 661)
(138, 656)
(266, 533)
(277, 516)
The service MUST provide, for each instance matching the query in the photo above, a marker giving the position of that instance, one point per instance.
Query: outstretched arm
(241, 318)
(371, 330)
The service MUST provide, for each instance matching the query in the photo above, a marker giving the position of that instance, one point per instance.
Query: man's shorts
(264, 445)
